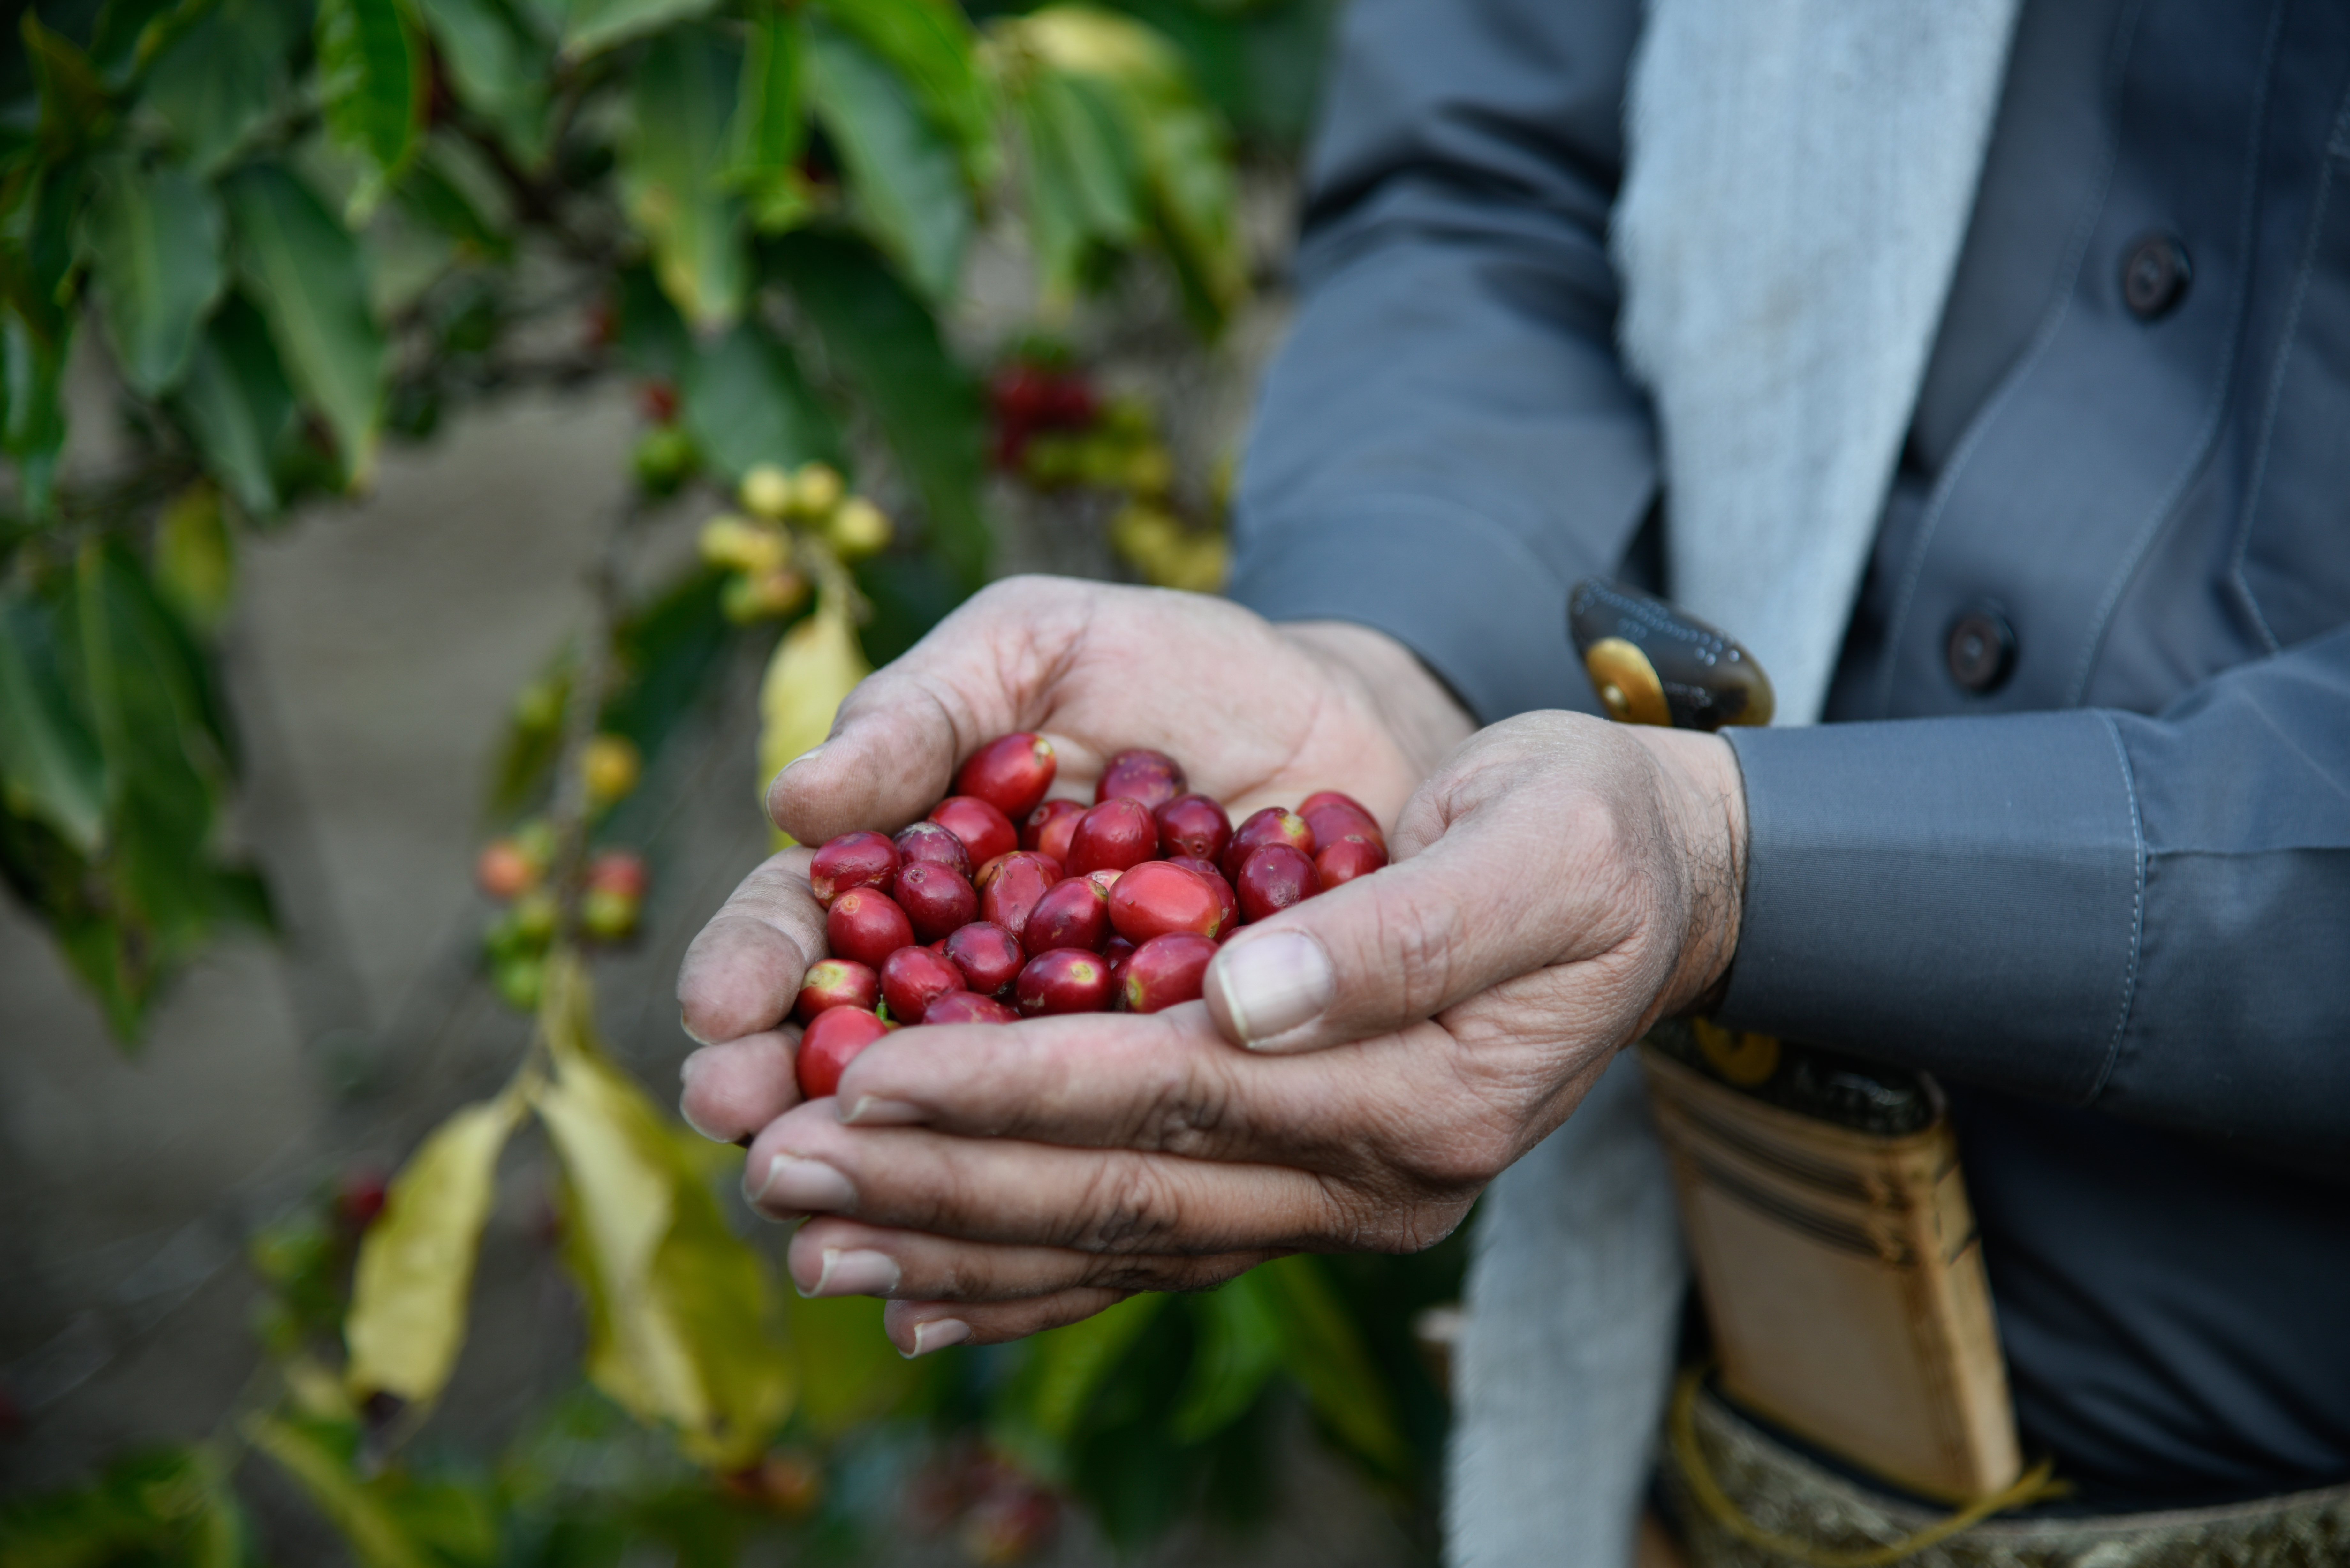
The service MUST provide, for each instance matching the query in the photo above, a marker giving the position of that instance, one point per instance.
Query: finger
(836, 1257)
(743, 971)
(895, 743)
(735, 1089)
(917, 1328)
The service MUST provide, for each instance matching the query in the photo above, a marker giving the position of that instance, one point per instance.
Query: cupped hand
(1560, 884)
(1258, 715)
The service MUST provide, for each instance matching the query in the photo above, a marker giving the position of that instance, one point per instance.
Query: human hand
(1560, 884)
(1259, 715)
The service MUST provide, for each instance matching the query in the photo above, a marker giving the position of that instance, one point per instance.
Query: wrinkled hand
(1560, 884)
(1258, 715)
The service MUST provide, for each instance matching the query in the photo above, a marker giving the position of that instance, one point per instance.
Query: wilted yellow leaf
(682, 1321)
(415, 1270)
(1099, 43)
(816, 667)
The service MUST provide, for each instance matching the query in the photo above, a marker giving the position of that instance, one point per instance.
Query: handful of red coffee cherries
(1078, 909)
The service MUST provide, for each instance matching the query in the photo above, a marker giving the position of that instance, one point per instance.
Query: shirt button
(2155, 276)
(1982, 649)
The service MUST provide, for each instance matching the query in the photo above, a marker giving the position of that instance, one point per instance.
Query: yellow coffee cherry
(533, 917)
(766, 492)
(1147, 536)
(858, 528)
(612, 765)
(608, 914)
(817, 489)
(1149, 470)
(745, 546)
(762, 596)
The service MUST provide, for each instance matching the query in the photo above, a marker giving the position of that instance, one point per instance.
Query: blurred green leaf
(1321, 1349)
(238, 405)
(887, 345)
(1082, 177)
(770, 129)
(154, 240)
(75, 109)
(440, 202)
(373, 83)
(593, 24)
(307, 274)
(415, 1272)
(930, 45)
(349, 1504)
(1237, 1351)
(1038, 1414)
(849, 1373)
(496, 65)
(47, 757)
(746, 402)
(34, 365)
(672, 156)
(128, 33)
(168, 1506)
(194, 555)
(903, 172)
(217, 82)
(667, 652)
(654, 335)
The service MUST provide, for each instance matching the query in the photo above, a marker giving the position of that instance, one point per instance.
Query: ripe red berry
(1010, 772)
(1218, 884)
(837, 982)
(620, 871)
(858, 859)
(831, 1042)
(1154, 778)
(866, 924)
(988, 956)
(1166, 971)
(1115, 952)
(657, 400)
(985, 831)
(929, 841)
(1271, 825)
(1343, 860)
(936, 900)
(911, 977)
(1012, 887)
(1074, 913)
(360, 1193)
(1158, 897)
(1065, 980)
(967, 1007)
(503, 870)
(1333, 815)
(1049, 828)
(1113, 835)
(1274, 878)
(1193, 825)
(1105, 879)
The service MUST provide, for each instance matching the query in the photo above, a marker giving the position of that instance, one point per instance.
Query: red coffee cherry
(503, 871)
(1166, 971)
(1343, 860)
(1271, 825)
(967, 1007)
(1115, 952)
(830, 1044)
(911, 977)
(620, 871)
(1113, 835)
(1049, 826)
(1158, 897)
(866, 925)
(988, 956)
(1011, 773)
(1192, 825)
(929, 841)
(1065, 980)
(1274, 878)
(1226, 900)
(1074, 913)
(985, 831)
(1011, 888)
(852, 860)
(837, 982)
(1333, 815)
(1154, 778)
(935, 898)
(1105, 879)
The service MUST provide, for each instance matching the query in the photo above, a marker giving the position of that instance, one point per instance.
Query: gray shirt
(2106, 898)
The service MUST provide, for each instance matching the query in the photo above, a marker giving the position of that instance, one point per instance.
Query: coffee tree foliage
(291, 231)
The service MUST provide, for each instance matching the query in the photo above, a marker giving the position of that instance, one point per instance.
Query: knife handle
(1651, 664)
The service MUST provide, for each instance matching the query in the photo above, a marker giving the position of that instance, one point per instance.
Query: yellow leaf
(1100, 43)
(682, 1314)
(375, 1537)
(415, 1270)
(814, 669)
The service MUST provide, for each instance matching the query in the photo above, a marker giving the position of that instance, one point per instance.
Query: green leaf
(75, 107)
(887, 345)
(746, 402)
(591, 26)
(237, 405)
(375, 1537)
(154, 240)
(440, 202)
(34, 369)
(849, 1373)
(1039, 1414)
(496, 67)
(304, 271)
(1321, 1349)
(1237, 1352)
(215, 84)
(770, 129)
(653, 337)
(195, 556)
(160, 1506)
(373, 83)
(415, 1272)
(902, 170)
(672, 158)
(48, 760)
(129, 33)
(931, 45)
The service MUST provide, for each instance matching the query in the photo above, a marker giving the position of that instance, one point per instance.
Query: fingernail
(938, 1335)
(1275, 983)
(872, 1111)
(804, 756)
(803, 1186)
(689, 1035)
(858, 1273)
(685, 1071)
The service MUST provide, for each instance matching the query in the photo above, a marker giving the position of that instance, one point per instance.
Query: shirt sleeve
(2147, 915)
(1448, 442)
